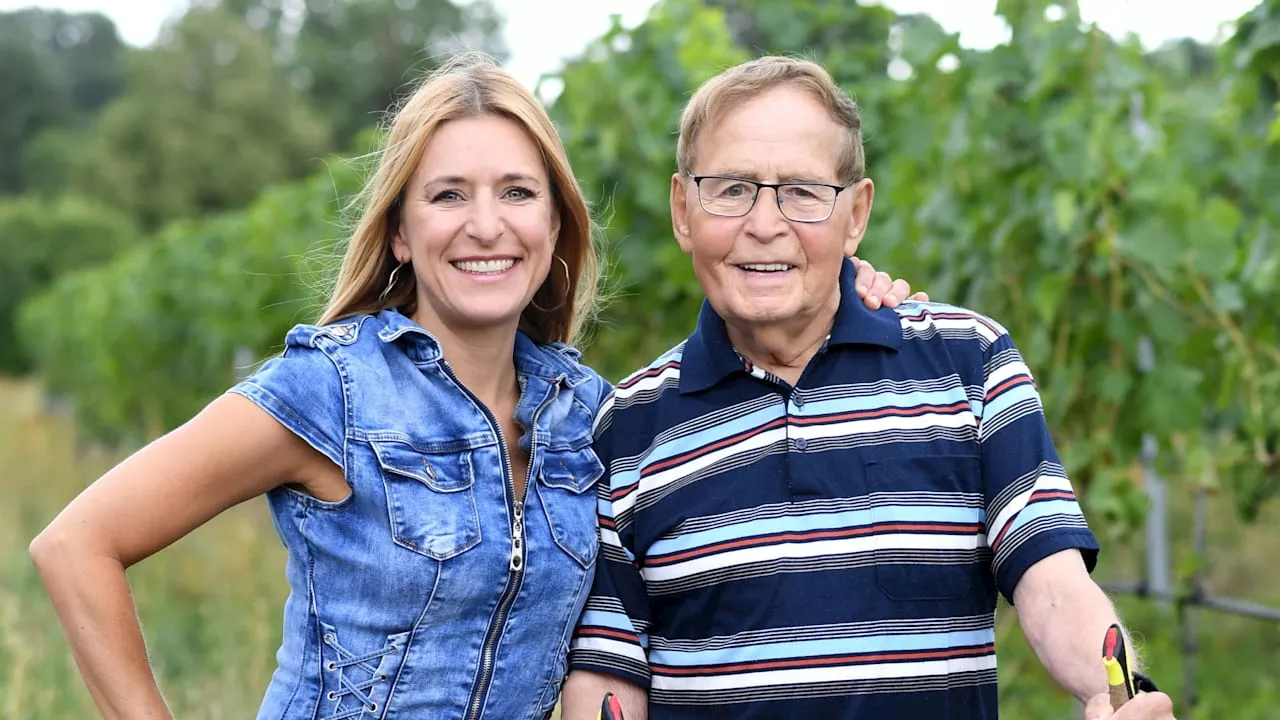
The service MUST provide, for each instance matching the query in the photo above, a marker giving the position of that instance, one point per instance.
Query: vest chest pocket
(430, 499)
(928, 517)
(566, 486)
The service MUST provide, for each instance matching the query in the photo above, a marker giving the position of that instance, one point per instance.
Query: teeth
(771, 267)
(485, 266)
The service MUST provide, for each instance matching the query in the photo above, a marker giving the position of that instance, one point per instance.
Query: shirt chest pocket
(566, 486)
(927, 516)
(430, 499)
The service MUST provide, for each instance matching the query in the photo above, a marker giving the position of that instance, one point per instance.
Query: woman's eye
(519, 193)
(447, 196)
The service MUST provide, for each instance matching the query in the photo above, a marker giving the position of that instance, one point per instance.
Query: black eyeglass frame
(777, 196)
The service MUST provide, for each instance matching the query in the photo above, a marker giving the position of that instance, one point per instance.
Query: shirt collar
(709, 356)
(544, 360)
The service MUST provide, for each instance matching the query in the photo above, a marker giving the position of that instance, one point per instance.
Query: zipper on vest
(516, 563)
(517, 537)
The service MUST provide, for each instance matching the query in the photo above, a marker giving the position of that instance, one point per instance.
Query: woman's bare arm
(230, 452)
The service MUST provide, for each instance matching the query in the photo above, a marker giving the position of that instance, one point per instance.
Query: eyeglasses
(734, 197)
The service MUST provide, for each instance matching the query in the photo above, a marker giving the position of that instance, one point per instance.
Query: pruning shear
(1116, 662)
(1121, 683)
(610, 708)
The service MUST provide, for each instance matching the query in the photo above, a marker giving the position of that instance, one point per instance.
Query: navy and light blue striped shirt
(829, 550)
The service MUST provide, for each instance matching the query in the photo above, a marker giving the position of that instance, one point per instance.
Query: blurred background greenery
(167, 212)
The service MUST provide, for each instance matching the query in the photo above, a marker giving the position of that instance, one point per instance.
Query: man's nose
(766, 222)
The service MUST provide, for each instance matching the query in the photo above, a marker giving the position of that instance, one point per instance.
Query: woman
(425, 449)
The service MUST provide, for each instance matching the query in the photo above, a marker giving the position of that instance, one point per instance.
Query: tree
(40, 240)
(207, 122)
(1117, 220)
(48, 159)
(196, 305)
(850, 37)
(618, 110)
(87, 49)
(1059, 183)
(1114, 209)
(34, 98)
(356, 57)
(60, 69)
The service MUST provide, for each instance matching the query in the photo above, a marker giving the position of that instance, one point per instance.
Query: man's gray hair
(749, 79)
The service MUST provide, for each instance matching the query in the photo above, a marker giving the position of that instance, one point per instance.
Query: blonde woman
(425, 448)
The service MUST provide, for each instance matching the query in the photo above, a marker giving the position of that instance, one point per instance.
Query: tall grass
(210, 605)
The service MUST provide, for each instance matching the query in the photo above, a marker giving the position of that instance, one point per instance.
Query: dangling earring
(391, 282)
(567, 282)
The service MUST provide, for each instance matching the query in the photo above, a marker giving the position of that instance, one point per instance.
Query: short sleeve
(1032, 510)
(612, 636)
(303, 390)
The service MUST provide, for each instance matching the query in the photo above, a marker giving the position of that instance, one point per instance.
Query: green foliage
(846, 36)
(222, 107)
(210, 605)
(40, 240)
(85, 51)
(617, 111)
(49, 159)
(1116, 210)
(1105, 207)
(356, 59)
(143, 342)
(208, 121)
(59, 70)
(1102, 207)
(1071, 202)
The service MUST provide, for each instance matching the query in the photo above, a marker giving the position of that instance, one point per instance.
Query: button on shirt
(833, 549)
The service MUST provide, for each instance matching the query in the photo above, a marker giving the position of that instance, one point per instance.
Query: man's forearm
(1064, 616)
(583, 692)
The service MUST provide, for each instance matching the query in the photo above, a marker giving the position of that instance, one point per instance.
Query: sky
(541, 33)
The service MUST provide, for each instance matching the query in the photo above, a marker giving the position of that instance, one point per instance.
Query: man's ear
(680, 211)
(863, 193)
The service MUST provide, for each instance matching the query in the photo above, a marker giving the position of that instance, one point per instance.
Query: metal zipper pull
(517, 539)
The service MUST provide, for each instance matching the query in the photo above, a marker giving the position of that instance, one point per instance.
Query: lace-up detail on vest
(346, 686)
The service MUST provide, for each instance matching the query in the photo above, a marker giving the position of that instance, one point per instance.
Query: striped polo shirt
(829, 550)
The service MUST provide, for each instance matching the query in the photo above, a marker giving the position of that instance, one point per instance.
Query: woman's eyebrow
(460, 180)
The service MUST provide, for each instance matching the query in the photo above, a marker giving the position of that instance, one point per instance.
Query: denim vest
(428, 593)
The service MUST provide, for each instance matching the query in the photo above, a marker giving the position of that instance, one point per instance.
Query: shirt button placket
(796, 483)
(798, 401)
(792, 404)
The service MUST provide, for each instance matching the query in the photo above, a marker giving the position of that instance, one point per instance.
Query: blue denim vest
(428, 593)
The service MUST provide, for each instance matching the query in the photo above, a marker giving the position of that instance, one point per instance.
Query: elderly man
(810, 506)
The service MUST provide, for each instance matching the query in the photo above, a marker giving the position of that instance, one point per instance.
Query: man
(810, 506)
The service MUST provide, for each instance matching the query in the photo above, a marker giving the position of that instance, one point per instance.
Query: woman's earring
(564, 296)
(391, 282)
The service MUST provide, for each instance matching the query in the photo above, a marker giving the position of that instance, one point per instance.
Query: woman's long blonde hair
(470, 85)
